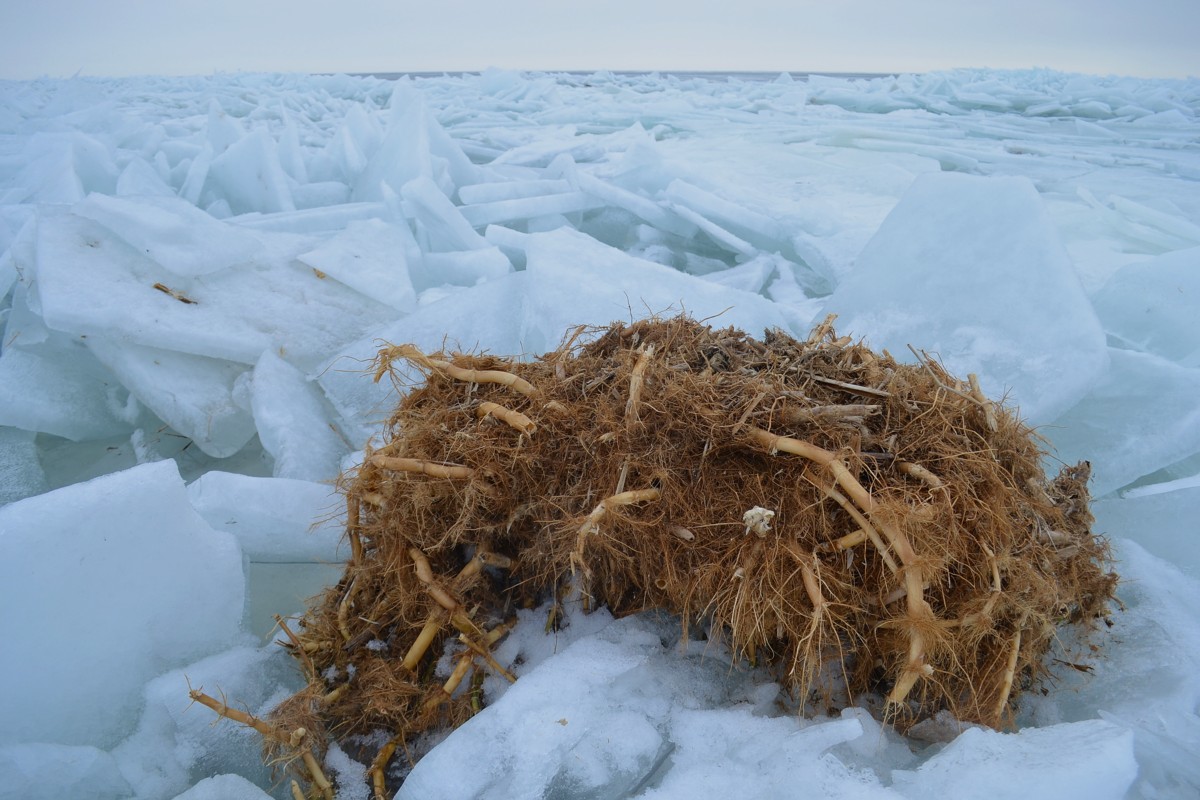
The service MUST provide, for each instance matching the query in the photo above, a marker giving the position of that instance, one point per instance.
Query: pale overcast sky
(1153, 38)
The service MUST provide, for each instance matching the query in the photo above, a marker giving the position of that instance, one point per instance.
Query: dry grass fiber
(865, 527)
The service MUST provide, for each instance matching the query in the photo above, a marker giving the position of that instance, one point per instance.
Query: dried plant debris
(866, 528)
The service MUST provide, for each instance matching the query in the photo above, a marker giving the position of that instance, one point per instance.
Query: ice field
(196, 271)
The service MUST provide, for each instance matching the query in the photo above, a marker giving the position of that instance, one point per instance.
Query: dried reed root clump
(867, 528)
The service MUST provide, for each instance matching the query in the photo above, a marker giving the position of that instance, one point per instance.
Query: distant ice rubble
(196, 273)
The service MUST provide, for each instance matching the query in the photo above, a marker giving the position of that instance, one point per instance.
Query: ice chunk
(621, 709)
(178, 742)
(497, 191)
(21, 473)
(63, 168)
(461, 268)
(746, 224)
(369, 256)
(224, 787)
(249, 175)
(1092, 759)
(192, 394)
(54, 771)
(486, 317)
(141, 180)
(441, 220)
(1142, 416)
(222, 130)
(642, 207)
(172, 232)
(60, 388)
(1163, 523)
(293, 422)
(1151, 306)
(971, 270)
(526, 207)
(576, 280)
(415, 146)
(93, 283)
(91, 556)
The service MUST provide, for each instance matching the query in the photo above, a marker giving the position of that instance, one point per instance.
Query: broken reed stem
(378, 776)
(989, 409)
(921, 474)
(1010, 671)
(413, 354)
(273, 733)
(297, 792)
(268, 731)
(343, 612)
(417, 465)
(852, 539)
(425, 575)
(486, 655)
(447, 689)
(864, 525)
(918, 610)
(636, 381)
(514, 419)
(353, 520)
(305, 659)
(318, 776)
(591, 523)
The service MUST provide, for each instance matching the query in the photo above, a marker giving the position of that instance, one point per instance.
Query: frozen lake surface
(196, 270)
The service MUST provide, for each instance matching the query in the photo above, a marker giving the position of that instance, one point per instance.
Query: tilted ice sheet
(91, 282)
(576, 280)
(77, 566)
(294, 422)
(1152, 306)
(274, 519)
(172, 232)
(1166, 524)
(369, 257)
(39, 771)
(1143, 415)
(487, 317)
(21, 473)
(970, 270)
(193, 394)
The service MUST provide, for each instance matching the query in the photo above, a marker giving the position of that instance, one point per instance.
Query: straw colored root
(919, 612)
(294, 741)
(415, 356)
(514, 419)
(416, 465)
(591, 524)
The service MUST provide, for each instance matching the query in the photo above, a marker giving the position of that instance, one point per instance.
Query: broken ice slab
(1141, 416)
(115, 541)
(294, 423)
(971, 271)
(414, 146)
(576, 280)
(192, 394)
(1164, 523)
(224, 787)
(496, 191)
(462, 268)
(369, 257)
(652, 212)
(486, 317)
(172, 232)
(39, 771)
(1152, 306)
(250, 177)
(21, 473)
(60, 388)
(522, 208)
(442, 221)
(177, 743)
(92, 283)
(326, 219)
(1092, 759)
(275, 520)
(747, 225)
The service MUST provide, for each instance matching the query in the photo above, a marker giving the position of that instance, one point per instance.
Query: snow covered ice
(195, 272)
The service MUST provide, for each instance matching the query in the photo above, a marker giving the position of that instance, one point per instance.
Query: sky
(60, 38)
